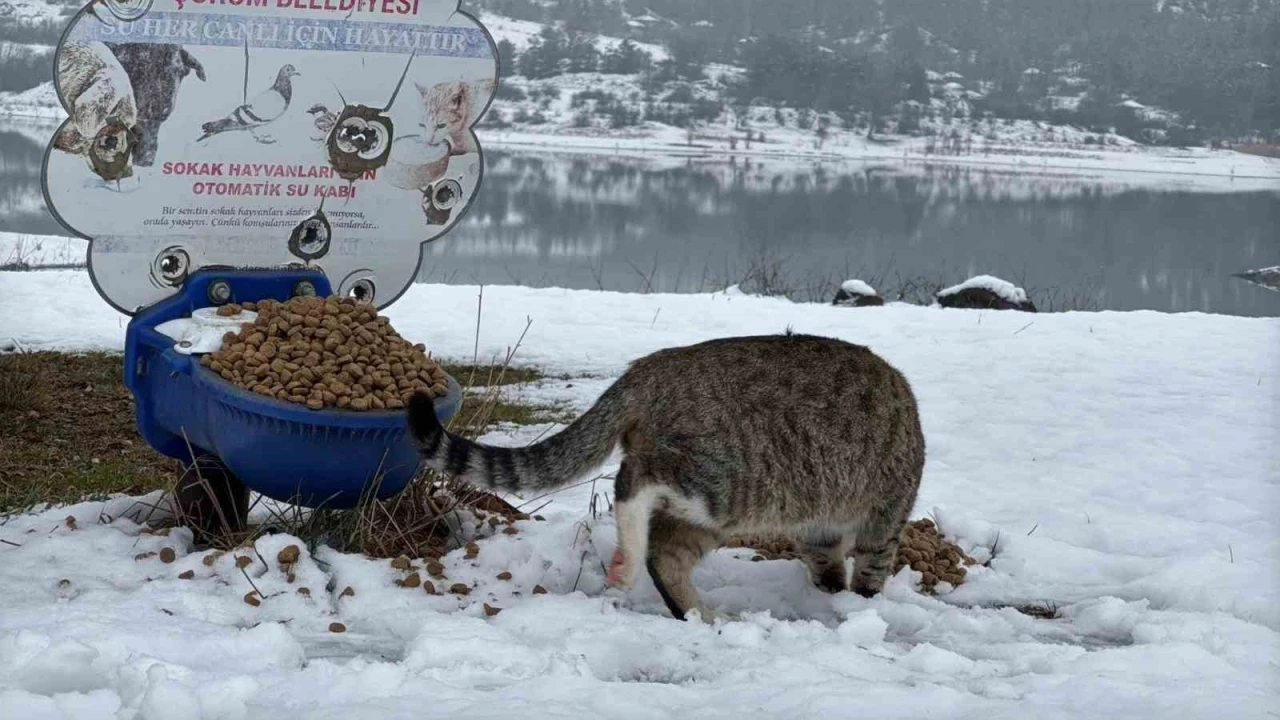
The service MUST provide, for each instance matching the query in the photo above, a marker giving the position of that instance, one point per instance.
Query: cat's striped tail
(551, 463)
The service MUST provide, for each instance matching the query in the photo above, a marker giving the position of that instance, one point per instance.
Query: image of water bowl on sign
(415, 165)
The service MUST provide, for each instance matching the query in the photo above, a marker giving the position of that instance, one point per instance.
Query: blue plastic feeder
(314, 458)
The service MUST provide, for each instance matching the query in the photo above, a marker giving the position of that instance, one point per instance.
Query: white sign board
(335, 134)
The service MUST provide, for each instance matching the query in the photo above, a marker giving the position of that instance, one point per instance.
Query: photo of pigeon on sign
(261, 109)
(265, 108)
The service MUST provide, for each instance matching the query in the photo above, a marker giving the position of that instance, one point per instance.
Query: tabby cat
(812, 437)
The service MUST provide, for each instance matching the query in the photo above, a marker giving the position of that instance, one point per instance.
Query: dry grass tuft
(25, 383)
(69, 433)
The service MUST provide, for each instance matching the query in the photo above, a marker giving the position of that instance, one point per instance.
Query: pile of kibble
(922, 547)
(324, 353)
(926, 551)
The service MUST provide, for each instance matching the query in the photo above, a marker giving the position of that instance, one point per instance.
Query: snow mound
(1002, 289)
(857, 287)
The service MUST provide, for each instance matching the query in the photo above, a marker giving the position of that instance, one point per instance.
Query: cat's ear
(421, 90)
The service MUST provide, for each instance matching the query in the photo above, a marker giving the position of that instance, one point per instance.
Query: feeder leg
(211, 501)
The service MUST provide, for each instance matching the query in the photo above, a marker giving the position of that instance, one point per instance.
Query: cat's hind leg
(675, 547)
(632, 508)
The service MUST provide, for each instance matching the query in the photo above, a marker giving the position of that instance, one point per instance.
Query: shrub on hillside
(580, 99)
(507, 91)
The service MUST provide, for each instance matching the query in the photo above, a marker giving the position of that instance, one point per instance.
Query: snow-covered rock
(856, 293)
(985, 292)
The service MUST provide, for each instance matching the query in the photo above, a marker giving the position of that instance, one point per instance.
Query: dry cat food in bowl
(324, 353)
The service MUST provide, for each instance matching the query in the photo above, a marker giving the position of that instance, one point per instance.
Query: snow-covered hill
(603, 112)
(521, 32)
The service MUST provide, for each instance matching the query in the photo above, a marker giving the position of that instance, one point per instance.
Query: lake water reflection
(676, 225)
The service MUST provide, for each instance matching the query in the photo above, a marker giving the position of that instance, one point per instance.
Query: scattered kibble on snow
(435, 569)
(510, 530)
(243, 561)
(167, 555)
(490, 610)
(925, 550)
(337, 627)
(504, 575)
(412, 581)
(289, 555)
(211, 558)
(941, 564)
(251, 598)
(348, 591)
(186, 574)
(430, 587)
(539, 590)
(304, 592)
(144, 556)
(472, 549)
(460, 589)
(401, 563)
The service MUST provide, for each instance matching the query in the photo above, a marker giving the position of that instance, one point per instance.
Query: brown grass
(1265, 150)
(68, 431)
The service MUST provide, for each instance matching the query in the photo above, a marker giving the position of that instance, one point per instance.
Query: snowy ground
(1124, 461)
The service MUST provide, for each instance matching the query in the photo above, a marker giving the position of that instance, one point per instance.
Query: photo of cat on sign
(420, 159)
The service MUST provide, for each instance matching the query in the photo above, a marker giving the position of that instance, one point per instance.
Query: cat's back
(773, 354)
(778, 368)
